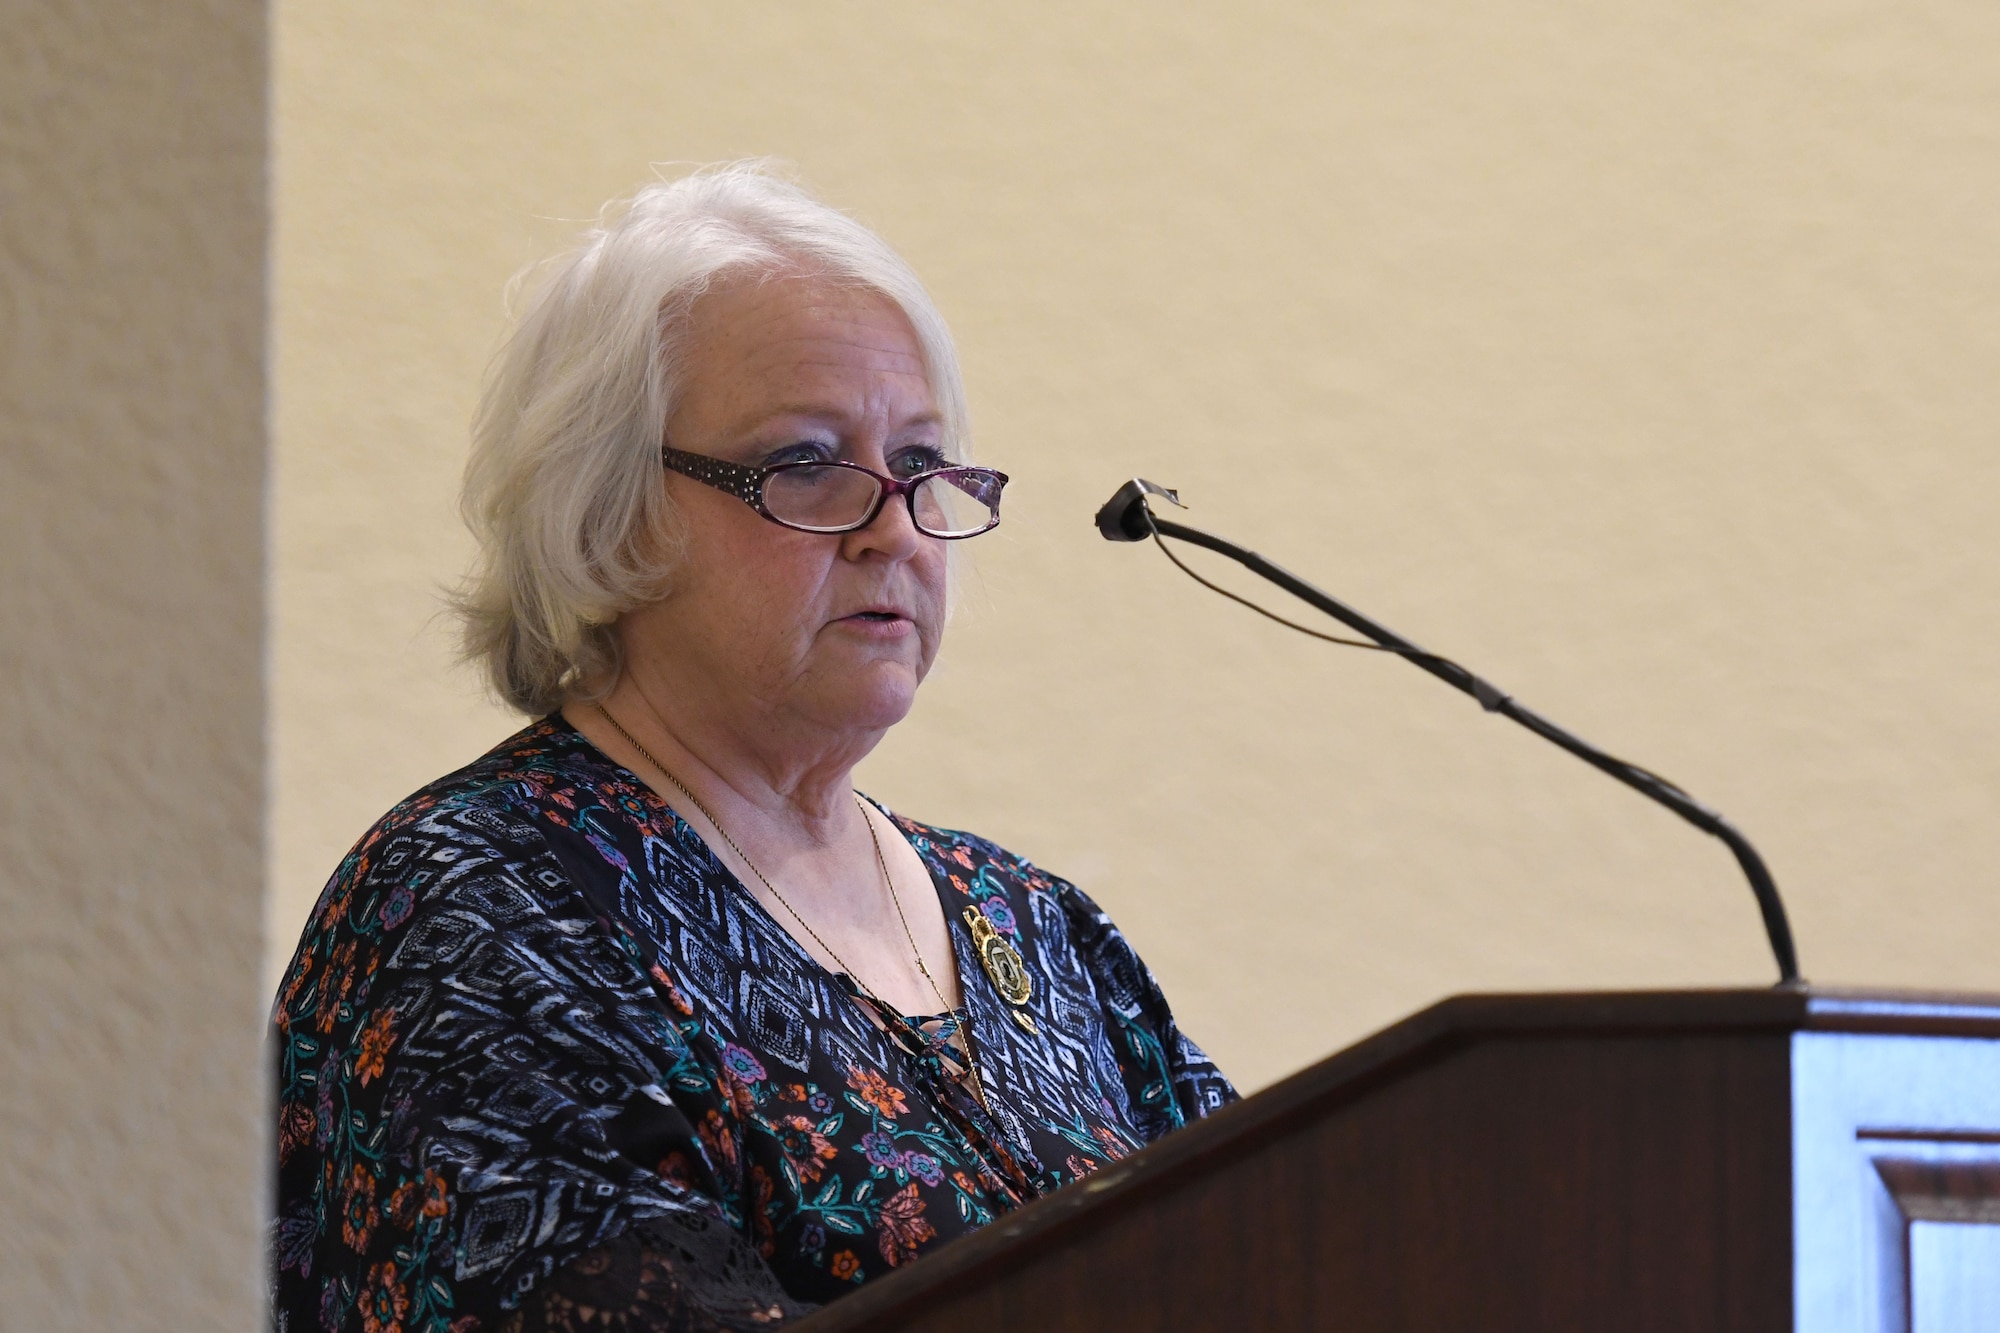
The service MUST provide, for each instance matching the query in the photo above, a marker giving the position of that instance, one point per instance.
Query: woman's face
(800, 629)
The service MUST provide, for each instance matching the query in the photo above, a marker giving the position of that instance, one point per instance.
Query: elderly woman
(647, 1019)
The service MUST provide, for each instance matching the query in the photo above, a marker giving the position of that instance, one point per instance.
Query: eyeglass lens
(836, 499)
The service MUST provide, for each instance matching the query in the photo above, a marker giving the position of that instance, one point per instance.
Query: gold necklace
(881, 862)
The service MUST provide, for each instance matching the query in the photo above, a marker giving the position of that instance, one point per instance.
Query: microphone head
(1125, 516)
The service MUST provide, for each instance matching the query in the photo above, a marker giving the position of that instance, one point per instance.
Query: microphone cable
(1413, 654)
(1128, 517)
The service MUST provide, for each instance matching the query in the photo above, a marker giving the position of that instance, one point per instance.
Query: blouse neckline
(841, 980)
(978, 1027)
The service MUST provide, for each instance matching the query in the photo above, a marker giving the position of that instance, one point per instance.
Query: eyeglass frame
(746, 483)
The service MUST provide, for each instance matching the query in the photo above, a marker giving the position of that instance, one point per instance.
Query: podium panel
(1897, 1214)
(1727, 1160)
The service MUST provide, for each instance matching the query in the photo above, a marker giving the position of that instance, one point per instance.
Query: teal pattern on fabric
(539, 1047)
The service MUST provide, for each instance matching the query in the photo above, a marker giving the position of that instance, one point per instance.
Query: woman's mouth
(877, 623)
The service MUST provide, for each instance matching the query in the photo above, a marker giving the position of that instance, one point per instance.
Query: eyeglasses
(947, 502)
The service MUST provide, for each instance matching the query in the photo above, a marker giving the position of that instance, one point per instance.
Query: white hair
(563, 490)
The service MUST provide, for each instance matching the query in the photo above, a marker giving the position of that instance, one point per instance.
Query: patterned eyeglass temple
(747, 483)
(744, 482)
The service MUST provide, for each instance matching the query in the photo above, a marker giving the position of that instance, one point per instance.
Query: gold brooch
(1000, 959)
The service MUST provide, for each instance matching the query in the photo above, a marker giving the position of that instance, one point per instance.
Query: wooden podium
(1827, 1162)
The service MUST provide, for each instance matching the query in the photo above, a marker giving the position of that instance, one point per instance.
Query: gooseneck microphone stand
(1127, 517)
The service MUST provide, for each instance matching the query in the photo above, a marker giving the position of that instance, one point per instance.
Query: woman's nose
(891, 531)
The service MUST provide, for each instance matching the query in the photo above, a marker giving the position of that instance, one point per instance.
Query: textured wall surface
(1643, 356)
(132, 405)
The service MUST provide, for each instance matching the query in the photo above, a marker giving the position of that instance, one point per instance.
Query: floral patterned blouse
(543, 1063)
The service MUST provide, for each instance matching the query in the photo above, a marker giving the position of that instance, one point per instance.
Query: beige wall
(132, 235)
(1641, 355)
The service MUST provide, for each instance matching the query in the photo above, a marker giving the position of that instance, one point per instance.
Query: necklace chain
(881, 862)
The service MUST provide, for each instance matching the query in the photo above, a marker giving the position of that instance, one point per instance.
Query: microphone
(1128, 517)
(1125, 517)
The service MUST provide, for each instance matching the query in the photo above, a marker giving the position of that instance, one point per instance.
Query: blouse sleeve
(487, 1118)
(1168, 1078)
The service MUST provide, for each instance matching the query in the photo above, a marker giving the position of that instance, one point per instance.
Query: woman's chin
(874, 698)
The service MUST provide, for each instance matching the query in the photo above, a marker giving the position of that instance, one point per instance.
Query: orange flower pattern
(878, 1092)
(807, 1150)
(357, 1210)
(532, 1008)
(376, 1039)
(904, 1229)
(384, 1302)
